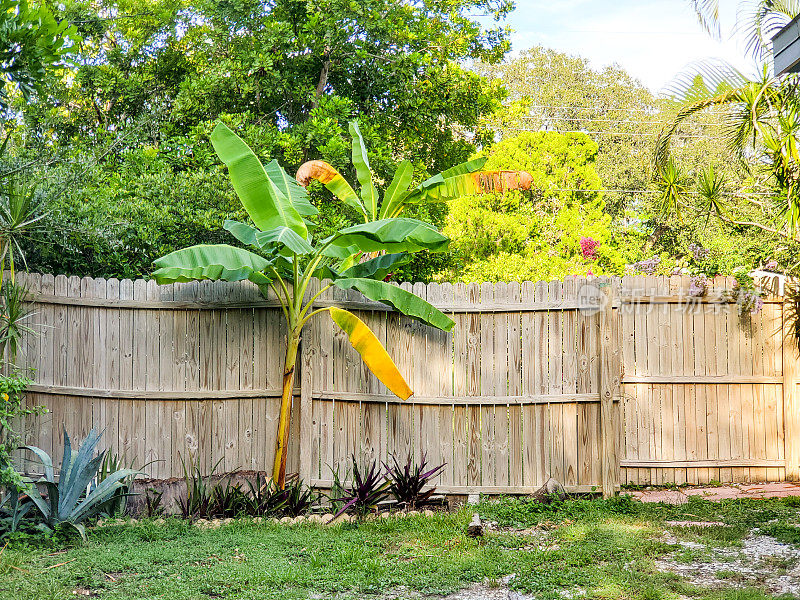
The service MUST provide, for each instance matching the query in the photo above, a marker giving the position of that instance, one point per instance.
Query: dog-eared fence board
(511, 397)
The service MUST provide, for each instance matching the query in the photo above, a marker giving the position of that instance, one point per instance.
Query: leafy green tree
(555, 91)
(295, 70)
(152, 77)
(32, 42)
(535, 235)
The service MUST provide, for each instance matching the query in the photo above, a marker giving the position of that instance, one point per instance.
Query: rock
(298, 519)
(473, 498)
(428, 512)
(551, 491)
(412, 513)
(286, 520)
(475, 528)
(257, 519)
(385, 515)
(326, 518)
(226, 521)
(315, 518)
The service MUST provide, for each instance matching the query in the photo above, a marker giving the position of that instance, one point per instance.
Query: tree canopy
(32, 44)
(291, 71)
(536, 235)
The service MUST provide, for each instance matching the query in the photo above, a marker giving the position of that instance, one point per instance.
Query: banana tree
(465, 179)
(287, 257)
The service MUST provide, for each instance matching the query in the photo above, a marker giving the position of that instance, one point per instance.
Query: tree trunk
(282, 445)
(323, 78)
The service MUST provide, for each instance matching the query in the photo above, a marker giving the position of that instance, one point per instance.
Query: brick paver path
(724, 492)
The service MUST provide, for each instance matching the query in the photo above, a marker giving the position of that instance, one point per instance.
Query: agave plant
(287, 258)
(465, 179)
(77, 496)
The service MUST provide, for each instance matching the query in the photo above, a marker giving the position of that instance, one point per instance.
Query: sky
(651, 39)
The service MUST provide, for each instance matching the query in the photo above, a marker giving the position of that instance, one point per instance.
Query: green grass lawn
(581, 548)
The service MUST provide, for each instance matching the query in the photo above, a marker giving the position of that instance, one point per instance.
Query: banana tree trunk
(282, 445)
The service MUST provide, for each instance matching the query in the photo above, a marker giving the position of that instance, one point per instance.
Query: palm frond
(703, 78)
(757, 21)
(706, 84)
(707, 12)
(664, 139)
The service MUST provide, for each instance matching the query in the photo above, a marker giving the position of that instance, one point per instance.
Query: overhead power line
(624, 191)
(632, 122)
(612, 133)
(615, 109)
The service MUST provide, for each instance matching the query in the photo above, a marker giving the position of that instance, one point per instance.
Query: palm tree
(762, 116)
(762, 130)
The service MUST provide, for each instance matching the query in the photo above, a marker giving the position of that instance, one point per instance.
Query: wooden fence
(527, 386)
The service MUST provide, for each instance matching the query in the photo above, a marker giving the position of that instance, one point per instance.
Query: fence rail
(591, 381)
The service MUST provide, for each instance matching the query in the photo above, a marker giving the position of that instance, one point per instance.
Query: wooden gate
(709, 389)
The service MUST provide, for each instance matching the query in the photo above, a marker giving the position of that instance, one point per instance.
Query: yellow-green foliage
(516, 236)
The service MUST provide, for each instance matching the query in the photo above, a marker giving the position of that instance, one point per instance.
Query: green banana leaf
(407, 303)
(290, 188)
(378, 267)
(469, 166)
(361, 162)
(286, 240)
(268, 207)
(391, 235)
(215, 261)
(451, 183)
(398, 188)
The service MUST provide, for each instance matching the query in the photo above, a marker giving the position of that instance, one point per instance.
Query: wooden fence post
(791, 406)
(609, 390)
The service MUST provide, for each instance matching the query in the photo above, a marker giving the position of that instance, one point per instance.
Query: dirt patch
(761, 561)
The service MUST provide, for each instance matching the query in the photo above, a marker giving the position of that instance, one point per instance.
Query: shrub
(11, 410)
(406, 482)
(262, 498)
(367, 490)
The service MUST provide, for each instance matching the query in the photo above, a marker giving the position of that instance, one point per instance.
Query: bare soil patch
(761, 561)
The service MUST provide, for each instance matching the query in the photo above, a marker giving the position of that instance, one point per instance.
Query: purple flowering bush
(647, 266)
